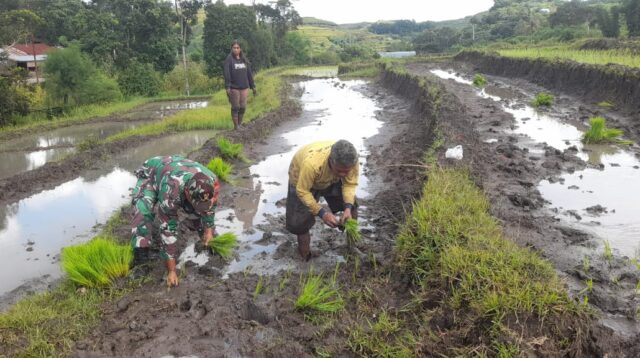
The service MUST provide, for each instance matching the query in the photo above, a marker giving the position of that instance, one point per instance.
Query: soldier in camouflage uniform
(166, 184)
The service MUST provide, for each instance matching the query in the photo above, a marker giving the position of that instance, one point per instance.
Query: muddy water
(332, 110)
(611, 181)
(33, 230)
(31, 151)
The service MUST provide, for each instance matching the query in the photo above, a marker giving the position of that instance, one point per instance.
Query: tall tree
(223, 25)
(187, 13)
(609, 21)
(632, 16)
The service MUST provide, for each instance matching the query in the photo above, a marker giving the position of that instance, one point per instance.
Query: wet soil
(206, 316)
(508, 172)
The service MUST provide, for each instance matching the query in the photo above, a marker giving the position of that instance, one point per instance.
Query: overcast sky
(350, 11)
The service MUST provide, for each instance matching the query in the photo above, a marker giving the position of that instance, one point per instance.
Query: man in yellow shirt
(328, 169)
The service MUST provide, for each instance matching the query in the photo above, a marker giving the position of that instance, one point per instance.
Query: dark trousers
(299, 218)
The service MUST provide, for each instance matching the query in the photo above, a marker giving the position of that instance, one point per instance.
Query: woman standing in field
(237, 81)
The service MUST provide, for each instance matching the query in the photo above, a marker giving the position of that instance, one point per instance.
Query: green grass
(318, 296)
(384, 337)
(221, 169)
(96, 263)
(479, 80)
(352, 230)
(599, 133)
(217, 115)
(623, 57)
(48, 324)
(224, 244)
(259, 287)
(451, 238)
(607, 254)
(542, 99)
(314, 71)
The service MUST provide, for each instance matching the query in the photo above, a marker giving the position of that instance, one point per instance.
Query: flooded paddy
(31, 151)
(601, 199)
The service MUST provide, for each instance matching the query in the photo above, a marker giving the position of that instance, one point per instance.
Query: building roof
(33, 49)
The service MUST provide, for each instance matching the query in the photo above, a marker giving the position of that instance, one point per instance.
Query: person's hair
(236, 42)
(343, 153)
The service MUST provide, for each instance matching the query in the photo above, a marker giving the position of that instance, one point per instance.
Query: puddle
(611, 187)
(67, 214)
(29, 152)
(332, 110)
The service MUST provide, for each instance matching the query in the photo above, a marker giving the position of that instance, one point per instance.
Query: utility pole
(473, 32)
(183, 35)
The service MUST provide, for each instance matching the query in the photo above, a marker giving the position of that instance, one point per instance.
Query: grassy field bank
(623, 57)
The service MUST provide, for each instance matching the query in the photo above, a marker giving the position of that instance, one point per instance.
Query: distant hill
(313, 21)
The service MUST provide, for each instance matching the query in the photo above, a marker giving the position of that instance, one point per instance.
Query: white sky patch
(352, 11)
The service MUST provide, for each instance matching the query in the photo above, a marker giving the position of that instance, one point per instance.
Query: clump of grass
(599, 133)
(352, 230)
(318, 296)
(229, 149)
(479, 80)
(220, 168)
(223, 244)
(259, 288)
(88, 143)
(384, 338)
(608, 252)
(542, 99)
(96, 263)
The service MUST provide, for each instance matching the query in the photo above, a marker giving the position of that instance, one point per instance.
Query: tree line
(522, 20)
(117, 48)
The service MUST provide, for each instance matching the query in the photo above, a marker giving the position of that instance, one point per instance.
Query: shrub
(542, 99)
(319, 296)
(599, 133)
(220, 168)
(223, 244)
(199, 82)
(139, 79)
(479, 80)
(96, 263)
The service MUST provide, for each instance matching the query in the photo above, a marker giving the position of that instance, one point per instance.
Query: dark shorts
(299, 218)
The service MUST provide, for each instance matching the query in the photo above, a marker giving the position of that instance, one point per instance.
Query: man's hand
(255, 92)
(330, 219)
(228, 92)
(209, 234)
(172, 276)
(346, 215)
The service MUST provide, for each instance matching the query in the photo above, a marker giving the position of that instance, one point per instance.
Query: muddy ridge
(508, 174)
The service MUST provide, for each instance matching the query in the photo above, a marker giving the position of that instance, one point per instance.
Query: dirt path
(206, 316)
(509, 173)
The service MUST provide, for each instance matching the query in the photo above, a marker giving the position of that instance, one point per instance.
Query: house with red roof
(28, 56)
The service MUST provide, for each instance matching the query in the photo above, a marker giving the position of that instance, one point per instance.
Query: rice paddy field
(623, 57)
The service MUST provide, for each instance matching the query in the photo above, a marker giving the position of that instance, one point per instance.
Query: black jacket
(237, 73)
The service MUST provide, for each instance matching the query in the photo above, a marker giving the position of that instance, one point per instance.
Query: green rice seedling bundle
(479, 80)
(220, 168)
(319, 297)
(542, 99)
(599, 133)
(96, 263)
(352, 230)
(223, 244)
(229, 149)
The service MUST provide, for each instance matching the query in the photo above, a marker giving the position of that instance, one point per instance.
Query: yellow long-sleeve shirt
(309, 169)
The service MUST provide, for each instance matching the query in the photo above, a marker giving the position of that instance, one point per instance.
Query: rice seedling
(223, 244)
(479, 80)
(605, 104)
(229, 149)
(352, 230)
(586, 264)
(96, 263)
(318, 296)
(259, 287)
(221, 169)
(542, 99)
(608, 252)
(599, 133)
